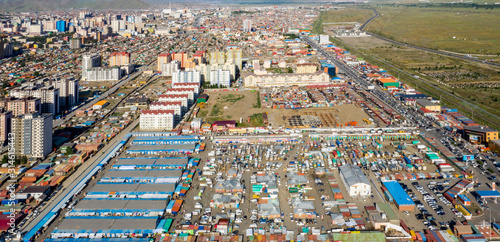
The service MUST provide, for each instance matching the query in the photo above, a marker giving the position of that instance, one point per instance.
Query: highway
(113, 89)
(463, 57)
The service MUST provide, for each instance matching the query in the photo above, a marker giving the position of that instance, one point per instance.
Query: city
(238, 123)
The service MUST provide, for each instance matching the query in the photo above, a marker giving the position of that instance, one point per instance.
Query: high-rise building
(162, 59)
(49, 96)
(220, 78)
(75, 43)
(247, 25)
(2, 54)
(103, 74)
(181, 57)
(8, 50)
(205, 70)
(61, 26)
(68, 91)
(90, 61)
(233, 55)
(186, 77)
(119, 59)
(5, 126)
(22, 105)
(33, 135)
(168, 69)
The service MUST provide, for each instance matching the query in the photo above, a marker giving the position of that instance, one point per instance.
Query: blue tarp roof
(397, 192)
(488, 193)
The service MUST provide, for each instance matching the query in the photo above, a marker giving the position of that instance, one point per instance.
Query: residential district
(226, 124)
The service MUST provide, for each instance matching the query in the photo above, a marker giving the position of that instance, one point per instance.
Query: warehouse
(170, 140)
(401, 198)
(355, 181)
(161, 149)
(105, 226)
(151, 163)
(424, 103)
(141, 176)
(118, 207)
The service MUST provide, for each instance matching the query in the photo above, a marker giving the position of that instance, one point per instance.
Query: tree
(5, 159)
(24, 159)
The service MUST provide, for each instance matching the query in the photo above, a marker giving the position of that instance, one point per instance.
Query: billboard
(468, 158)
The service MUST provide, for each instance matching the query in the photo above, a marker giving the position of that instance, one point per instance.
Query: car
(406, 213)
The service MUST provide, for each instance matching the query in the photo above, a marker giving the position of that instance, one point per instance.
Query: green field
(462, 30)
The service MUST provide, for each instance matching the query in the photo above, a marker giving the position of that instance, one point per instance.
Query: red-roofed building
(183, 98)
(176, 106)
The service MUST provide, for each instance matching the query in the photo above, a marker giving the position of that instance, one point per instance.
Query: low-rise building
(355, 181)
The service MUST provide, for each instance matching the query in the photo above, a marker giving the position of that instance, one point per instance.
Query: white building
(284, 80)
(90, 61)
(206, 70)
(247, 25)
(33, 134)
(68, 91)
(158, 120)
(220, 78)
(355, 181)
(196, 123)
(175, 106)
(195, 86)
(103, 74)
(183, 98)
(186, 77)
(188, 91)
(168, 69)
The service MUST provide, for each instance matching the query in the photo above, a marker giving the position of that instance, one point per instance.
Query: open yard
(337, 115)
(232, 105)
(462, 30)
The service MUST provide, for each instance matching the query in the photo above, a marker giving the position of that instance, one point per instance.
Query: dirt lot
(230, 105)
(342, 114)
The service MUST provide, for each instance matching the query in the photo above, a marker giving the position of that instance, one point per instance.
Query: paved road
(463, 57)
(113, 89)
(77, 177)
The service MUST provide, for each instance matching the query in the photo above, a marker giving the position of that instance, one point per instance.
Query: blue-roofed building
(401, 198)
(166, 140)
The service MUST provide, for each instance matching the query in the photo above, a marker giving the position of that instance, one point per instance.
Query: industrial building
(355, 181)
(401, 198)
(161, 149)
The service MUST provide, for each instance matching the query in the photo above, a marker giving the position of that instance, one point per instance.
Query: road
(463, 57)
(71, 183)
(113, 89)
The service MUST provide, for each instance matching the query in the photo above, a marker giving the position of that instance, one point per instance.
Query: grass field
(462, 30)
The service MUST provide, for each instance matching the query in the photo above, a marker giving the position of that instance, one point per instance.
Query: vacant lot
(463, 30)
(342, 114)
(232, 105)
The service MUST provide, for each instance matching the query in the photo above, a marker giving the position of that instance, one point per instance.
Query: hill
(47, 5)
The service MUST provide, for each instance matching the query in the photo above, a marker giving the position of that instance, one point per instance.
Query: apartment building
(157, 120)
(33, 134)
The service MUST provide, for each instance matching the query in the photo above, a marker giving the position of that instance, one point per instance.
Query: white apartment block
(175, 106)
(188, 91)
(157, 120)
(220, 78)
(103, 74)
(206, 70)
(168, 69)
(195, 86)
(186, 77)
(183, 98)
(90, 61)
(68, 91)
